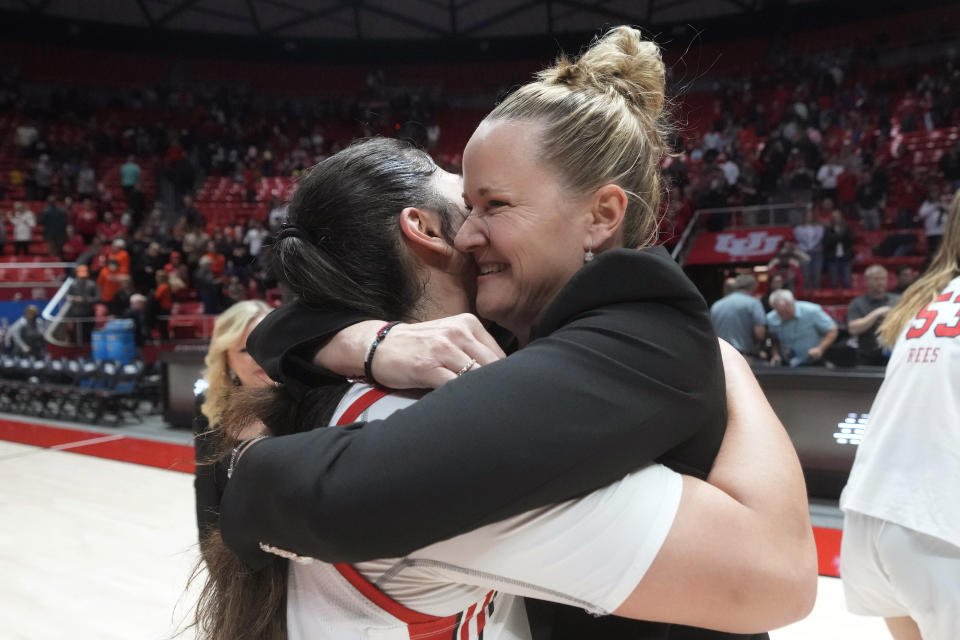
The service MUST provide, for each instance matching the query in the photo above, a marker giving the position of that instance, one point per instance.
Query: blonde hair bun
(621, 61)
(603, 120)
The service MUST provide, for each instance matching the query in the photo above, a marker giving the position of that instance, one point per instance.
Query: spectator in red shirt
(161, 303)
(73, 247)
(109, 280)
(788, 263)
(163, 294)
(846, 191)
(178, 275)
(87, 221)
(105, 196)
(99, 261)
(176, 259)
(110, 228)
(824, 213)
(174, 153)
(119, 253)
(908, 199)
(218, 262)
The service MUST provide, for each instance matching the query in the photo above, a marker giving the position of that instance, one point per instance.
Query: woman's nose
(470, 236)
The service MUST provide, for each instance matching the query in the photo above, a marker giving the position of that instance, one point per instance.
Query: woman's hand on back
(423, 355)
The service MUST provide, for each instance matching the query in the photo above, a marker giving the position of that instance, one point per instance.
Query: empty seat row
(80, 390)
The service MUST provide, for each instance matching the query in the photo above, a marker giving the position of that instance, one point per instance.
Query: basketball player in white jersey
(900, 557)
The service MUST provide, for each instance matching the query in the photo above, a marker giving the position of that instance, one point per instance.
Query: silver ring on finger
(467, 367)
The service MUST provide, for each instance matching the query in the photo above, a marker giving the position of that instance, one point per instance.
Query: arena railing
(65, 330)
(54, 313)
(7, 282)
(725, 218)
(24, 275)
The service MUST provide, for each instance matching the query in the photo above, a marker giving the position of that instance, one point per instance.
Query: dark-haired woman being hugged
(618, 367)
(901, 531)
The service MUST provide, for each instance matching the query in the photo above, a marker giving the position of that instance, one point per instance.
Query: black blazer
(210, 474)
(830, 240)
(623, 369)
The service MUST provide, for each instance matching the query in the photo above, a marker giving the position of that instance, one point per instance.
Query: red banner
(739, 245)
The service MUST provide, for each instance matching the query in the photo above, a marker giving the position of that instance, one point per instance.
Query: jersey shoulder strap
(421, 626)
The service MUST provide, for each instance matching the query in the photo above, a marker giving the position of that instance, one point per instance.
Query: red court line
(41, 435)
(828, 551)
(164, 455)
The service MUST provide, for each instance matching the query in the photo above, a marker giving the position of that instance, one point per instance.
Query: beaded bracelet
(368, 361)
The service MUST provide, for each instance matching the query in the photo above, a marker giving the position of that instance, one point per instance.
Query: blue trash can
(99, 345)
(116, 342)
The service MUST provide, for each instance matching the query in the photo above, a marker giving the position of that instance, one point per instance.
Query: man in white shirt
(827, 177)
(255, 237)
(730, 169)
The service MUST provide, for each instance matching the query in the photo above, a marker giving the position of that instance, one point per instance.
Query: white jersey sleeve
(589, 552)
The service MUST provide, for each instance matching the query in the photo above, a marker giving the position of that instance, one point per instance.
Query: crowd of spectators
(171, 140)
(820, 130)
(778, 329)
(790, 332)
(193, 133)
(166, 263)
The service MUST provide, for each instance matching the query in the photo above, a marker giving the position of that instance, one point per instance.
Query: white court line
(83, 443)
(63, 447)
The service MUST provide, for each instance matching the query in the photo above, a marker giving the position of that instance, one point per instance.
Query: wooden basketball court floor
(98, 539)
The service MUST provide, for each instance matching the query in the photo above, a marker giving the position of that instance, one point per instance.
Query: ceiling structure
(385, 19)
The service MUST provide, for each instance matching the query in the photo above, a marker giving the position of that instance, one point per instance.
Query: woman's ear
(608, 206)
(422, 230)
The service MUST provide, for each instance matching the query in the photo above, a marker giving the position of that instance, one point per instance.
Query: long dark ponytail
(348, 249)
(342, 248)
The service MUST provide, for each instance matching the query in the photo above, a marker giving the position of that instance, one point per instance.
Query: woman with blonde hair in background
(228, 366)
(900, 557)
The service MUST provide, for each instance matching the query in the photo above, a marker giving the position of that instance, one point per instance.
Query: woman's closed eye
(492, 205)
(486, 208)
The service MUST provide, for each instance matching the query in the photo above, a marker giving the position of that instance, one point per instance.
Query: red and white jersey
(336, 602)
(590, 552)
(907, 468)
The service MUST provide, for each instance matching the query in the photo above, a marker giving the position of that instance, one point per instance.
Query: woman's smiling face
(526, 232)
